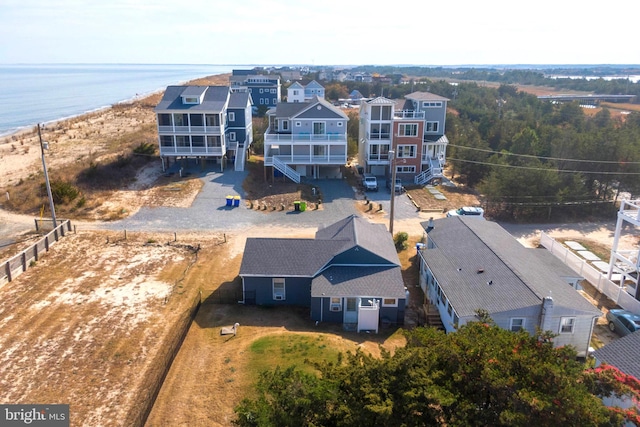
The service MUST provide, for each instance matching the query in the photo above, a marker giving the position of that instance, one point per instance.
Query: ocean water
(31, 94)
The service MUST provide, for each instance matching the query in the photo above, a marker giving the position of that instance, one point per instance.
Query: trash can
(296, 206)
(419, 247)
(229, 200)
(303, 206)
(236, 201)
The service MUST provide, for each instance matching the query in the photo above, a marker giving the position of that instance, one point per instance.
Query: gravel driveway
(209, 210)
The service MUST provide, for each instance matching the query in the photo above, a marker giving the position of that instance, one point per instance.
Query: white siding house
(468, 265)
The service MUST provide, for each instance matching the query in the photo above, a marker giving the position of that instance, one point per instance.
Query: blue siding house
(204, 122)
(349, 273)
(265, 90)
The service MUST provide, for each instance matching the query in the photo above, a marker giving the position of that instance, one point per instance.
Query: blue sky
(331, 32)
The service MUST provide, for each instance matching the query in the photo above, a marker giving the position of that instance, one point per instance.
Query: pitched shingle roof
(425, 96)
(239, 99)
(478, 264)
(215, 98)
(623, 354)
(362, 281)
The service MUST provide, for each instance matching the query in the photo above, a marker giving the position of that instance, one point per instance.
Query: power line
(542, 169)
(542, 157)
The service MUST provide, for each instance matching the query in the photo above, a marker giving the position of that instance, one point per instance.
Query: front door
(318, 128)
(351, 310)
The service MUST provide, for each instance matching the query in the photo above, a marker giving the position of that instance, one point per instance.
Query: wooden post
(46, 243)
(125, 234)
(23, 259)
(36, 221)
(7, 268)
(35, 251)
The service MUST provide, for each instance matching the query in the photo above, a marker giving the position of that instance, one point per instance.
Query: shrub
(145, 148)
(62, 192)
(400, 239)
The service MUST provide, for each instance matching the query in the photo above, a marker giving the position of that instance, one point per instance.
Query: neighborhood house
(204, 122)
(349, 273)
(468, 265)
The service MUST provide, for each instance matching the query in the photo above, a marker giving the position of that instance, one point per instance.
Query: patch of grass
(289, 350)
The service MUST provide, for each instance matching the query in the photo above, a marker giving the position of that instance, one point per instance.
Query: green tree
(481, 375)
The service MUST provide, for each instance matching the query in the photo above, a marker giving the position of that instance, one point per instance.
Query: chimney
(547, 313)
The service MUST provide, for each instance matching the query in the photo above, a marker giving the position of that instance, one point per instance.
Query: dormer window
(191, 100)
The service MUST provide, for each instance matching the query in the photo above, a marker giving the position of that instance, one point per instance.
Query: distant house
(306, 139)
(468, 265)
(623, 355)
(265, 90)
(349, 273)
(205, 122)
(355, 96)
(413, 129)
(298, 92)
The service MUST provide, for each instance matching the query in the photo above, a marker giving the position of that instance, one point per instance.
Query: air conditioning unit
(335, 308)
(279, 297)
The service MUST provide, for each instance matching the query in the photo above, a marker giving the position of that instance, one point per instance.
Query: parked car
(467, 211)
(398, 186)
(370, 182)
(622, 321)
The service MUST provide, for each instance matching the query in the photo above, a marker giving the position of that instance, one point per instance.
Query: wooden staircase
(432, 316)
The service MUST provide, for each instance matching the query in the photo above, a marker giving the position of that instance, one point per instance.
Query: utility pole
(46, 179)
(393, 189)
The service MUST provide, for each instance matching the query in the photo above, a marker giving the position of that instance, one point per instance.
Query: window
(212, 120)
(182, 140)
(164, 119)
(232, 117)
(432, 104)
(567, 324)
(295, 91)
(273, 91)
(298, 124)
(197, 140)
(408, 129)
(190, 100)
(261, 90)
(432, 127)
(449, 309)
(406, 151)
(389, 302)
(166, 141)
(181, 119)
(516, 324)
(262, 100)
(340, 124)
(279, 289)
(405, 169)
(232, 136)
(284, 125)
(336, 304)
(214, 141)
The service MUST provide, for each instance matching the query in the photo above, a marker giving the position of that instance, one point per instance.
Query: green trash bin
(303, 206)
(296, 206)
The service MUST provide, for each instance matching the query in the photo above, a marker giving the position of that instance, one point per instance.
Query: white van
(467, 211)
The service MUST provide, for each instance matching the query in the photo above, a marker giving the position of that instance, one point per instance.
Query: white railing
(423, 177)
(599, 280)
(286, 170)
(339, 159)
(208, 130)
(240, 154)
(408, 114)
(270, 138)
(212, 151)
(630, 210)
(377, 136)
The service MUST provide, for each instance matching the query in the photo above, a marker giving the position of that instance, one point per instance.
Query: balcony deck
(191, 151)
(200, 130)
(334, 159)
(300, 138)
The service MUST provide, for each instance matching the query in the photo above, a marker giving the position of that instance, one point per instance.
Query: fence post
(125, 234)
(62, 230)
(36, 221)
(35, 251)
(46, 242)
(23, 259)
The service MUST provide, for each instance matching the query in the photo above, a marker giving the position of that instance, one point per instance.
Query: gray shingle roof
(286, 110)
(215, 98)
(425, 96)
(238, 99)
(360, 281)
(357, 231)
(286, 257)
(623, 354)
(465, 246)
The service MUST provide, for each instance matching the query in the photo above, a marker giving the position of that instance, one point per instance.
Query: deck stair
(432, 316)
(286, 170)
(240, 156)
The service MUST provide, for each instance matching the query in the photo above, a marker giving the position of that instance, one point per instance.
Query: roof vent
(480, 270)
(490, 282)
(459, 269)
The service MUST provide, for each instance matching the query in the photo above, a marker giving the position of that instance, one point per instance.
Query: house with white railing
(413, 128)
(204, 122)
(306, 139)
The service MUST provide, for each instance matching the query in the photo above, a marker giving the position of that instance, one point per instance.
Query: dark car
(623, 322)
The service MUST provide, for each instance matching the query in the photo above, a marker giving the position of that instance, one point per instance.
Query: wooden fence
(18, 264)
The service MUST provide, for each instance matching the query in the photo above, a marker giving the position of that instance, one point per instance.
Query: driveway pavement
(209, 210)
